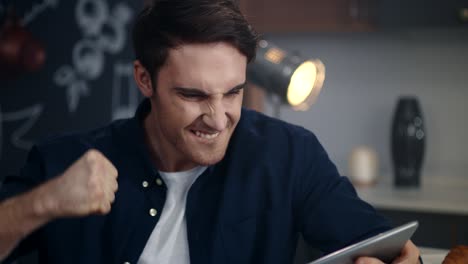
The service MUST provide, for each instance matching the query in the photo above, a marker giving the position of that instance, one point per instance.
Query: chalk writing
(103, 32)
(90, 15)
(37, 9)
(28, 116)
(66, 76)
(124, 92)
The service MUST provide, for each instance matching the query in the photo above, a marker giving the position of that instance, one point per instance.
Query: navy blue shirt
(275, 182)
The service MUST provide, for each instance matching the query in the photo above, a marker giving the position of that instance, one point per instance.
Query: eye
(234, 92)
(192, 96)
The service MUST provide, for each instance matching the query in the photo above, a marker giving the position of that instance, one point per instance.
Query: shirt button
(159, 182)
(145, 184)
(153, 212)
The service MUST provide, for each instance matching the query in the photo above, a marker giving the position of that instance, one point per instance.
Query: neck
(161, 158)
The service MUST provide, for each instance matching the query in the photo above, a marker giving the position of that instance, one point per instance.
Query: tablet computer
(385, 246)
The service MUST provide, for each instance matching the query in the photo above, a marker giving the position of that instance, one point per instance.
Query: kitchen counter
(433, 255)
(447, 195)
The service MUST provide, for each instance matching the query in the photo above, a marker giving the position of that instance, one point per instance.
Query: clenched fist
(87, 187)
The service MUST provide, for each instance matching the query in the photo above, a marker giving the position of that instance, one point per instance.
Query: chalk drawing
(37, 9)
(104, 31)
(113, 35)
(124, 92)
(88, 59)
(66, 76)
(29, 116)
(90, 15)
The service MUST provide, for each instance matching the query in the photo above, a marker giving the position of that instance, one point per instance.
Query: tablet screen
(385, 246)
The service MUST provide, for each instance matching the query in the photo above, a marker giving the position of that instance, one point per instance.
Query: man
(192, 178)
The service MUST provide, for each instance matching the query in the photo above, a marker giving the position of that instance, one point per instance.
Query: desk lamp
(296, 81)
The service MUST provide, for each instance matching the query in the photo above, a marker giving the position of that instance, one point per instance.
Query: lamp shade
(295, 80)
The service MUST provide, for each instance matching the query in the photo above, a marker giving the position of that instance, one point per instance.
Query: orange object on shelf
(20, 51)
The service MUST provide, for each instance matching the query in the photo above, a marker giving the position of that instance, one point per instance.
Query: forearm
(21, 215)
(87, 187)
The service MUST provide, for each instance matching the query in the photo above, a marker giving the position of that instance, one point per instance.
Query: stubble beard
(202, 155)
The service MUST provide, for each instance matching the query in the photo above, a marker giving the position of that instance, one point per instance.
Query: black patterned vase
(408, 142)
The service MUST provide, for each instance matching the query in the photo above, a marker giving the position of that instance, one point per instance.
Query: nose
(215, 116)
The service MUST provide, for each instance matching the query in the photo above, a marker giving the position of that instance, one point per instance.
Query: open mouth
(205, 135)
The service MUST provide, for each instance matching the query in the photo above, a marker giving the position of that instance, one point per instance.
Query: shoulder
(60, 151)
(72, 141)
(269, 140)
(261, 128)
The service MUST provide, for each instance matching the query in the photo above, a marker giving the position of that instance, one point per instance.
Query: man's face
(196, 105)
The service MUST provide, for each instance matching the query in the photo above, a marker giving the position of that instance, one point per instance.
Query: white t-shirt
(168, 241)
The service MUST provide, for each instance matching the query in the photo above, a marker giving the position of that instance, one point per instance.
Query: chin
(203, 159)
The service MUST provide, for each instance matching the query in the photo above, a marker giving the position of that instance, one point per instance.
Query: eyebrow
(196, 91)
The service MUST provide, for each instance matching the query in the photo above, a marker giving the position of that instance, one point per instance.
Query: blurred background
(67, 66)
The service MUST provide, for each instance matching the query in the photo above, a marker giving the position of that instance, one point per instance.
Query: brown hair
(167, 24)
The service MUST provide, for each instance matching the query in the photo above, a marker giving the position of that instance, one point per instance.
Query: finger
(97, 207)
(112, 198)
(368, 260)
(116, 186)
(409, 254)
(99, 162)
(110, 169)
(106, 207)
(111, 187)
(109, 195)
(110, 177)
(103, 207)
(400, 259)
(115, 172)
(92, 157)
(107, 182)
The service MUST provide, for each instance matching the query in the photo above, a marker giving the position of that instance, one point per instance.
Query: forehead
(206, 66)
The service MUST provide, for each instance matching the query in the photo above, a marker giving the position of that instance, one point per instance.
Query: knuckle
(93, 184)
(111, 170)
(105, 208)
(100, 195)
(114, 171)
(112, 197)
(91, 155)
(93, 159)
(95, 207)
(97, 194)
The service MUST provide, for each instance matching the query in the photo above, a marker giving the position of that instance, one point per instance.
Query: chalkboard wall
(86, 80)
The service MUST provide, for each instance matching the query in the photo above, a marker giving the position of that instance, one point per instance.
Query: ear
(142, 79)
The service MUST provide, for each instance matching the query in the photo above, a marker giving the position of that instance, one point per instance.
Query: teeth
(207, 136)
